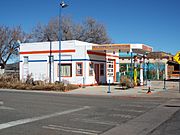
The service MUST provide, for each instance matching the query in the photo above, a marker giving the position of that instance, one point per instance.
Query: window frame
(25, 58)
(70, 64)
(91, 69)
(80, 69)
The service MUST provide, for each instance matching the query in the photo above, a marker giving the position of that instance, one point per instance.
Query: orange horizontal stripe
(101, 54)
(47, 51)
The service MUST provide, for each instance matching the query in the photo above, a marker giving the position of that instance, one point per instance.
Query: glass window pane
(79, 69)
(91, 69)
(26, 58)
(66, 70)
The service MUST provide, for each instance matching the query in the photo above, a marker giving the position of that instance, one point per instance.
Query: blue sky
(152, 22)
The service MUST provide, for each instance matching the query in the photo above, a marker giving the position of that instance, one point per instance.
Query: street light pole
(50, 62)
(62, 5)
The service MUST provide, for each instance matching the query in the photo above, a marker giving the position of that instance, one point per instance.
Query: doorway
(96, 70)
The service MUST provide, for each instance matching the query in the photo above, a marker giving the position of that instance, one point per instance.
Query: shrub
(71, 87)
(6, 79)
(11, 82)
(126, 82)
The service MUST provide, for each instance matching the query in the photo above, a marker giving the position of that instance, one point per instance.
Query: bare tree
(9, 42)
(78, 32)
(95, 32)
(67, 28)
(89, 31)
(38, 33)
(50, 31)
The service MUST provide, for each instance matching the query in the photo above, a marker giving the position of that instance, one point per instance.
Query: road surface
(29, 113)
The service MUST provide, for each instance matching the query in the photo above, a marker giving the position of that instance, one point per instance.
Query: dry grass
(11, 82)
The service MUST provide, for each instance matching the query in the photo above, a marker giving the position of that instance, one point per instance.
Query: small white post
(141, 73)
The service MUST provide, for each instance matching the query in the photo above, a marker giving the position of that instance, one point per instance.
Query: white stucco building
(82, 63)
(79, 63)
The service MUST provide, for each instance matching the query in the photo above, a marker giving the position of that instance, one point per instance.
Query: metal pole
(109, 88)
(60, 36)
(62, 5)
(119, 67)
(179, 78)
(131, 67)
(83, 83)
(144, 70)
(164, 84)
(131, 74)
(141, 74)
(50, 59)
(148, 71)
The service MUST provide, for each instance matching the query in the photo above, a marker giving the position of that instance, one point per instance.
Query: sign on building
(177, 57)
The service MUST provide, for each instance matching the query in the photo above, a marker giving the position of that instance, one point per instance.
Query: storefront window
(66, 70)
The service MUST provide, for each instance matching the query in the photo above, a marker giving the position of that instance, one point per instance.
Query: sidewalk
(171, 91)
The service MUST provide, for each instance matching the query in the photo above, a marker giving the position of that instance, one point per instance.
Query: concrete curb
(81, 93)
(147, 122)
(102, 92)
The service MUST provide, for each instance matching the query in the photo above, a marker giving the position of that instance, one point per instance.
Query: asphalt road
(170, 127)
(25, 113)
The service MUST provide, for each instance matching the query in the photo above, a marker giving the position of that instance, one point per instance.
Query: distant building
(156, 65)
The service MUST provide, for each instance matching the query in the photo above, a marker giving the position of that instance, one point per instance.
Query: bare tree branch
(8, 42)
